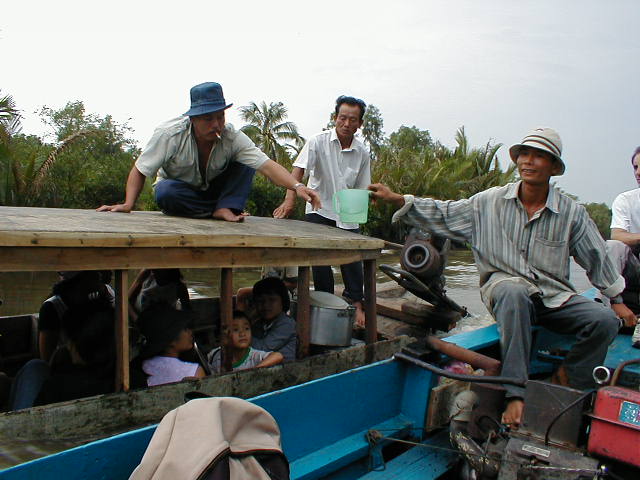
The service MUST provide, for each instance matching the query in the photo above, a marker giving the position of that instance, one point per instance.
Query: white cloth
(172, 153)
(167, 370)
(252, 359)
(331, 169)
(626, 211)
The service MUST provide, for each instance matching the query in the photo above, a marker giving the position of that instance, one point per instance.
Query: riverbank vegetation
(84, 158)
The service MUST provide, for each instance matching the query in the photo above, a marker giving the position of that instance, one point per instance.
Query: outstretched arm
(135, 182)
(289, 202)
(631, 239)
(384, 193)
(274, 358)
(279, 175)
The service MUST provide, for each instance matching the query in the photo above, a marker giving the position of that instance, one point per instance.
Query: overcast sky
(496, 67)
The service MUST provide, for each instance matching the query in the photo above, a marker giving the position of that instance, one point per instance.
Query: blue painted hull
(324, 422)
(323, 426)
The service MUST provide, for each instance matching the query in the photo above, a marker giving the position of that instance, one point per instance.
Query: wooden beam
(303, 312)
(20, 259)
(371, 326)
(122, 330)
(226, 315)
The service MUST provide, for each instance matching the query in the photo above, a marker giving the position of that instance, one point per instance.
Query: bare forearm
(279, 175)
(297, 173)
(631, 239)
(135, 183)
(274, 358)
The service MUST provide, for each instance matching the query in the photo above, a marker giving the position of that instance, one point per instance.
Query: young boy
(243, 356)
(166, 335)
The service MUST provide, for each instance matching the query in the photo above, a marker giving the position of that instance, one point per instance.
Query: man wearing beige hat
(522, 235)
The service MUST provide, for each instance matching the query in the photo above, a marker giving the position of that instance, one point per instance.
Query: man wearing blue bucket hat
(335, 160)
(522, 235)
(204, 166)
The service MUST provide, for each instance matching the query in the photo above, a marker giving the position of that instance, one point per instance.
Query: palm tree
(269, 130)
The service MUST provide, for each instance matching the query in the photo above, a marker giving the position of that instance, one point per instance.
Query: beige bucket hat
(542, 138)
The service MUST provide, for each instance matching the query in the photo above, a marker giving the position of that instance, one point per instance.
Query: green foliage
(85, 166)
(601, 216)
(269, 130)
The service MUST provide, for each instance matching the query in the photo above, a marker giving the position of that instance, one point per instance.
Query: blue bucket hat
(207, 98)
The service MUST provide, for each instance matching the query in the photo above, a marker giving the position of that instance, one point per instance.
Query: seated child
(274, 330)
(166, 335)
(243, 356)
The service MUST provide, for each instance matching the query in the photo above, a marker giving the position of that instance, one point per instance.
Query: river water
(23, 292)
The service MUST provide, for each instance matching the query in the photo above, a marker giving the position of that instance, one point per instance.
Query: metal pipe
(458, 376)
(491, 366)
(616, 374)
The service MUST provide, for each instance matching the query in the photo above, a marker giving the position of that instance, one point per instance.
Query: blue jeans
(229, 190)
(594, 326)
(28, 383)
(352, 273)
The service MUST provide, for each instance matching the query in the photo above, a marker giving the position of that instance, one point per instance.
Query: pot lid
(327, 300)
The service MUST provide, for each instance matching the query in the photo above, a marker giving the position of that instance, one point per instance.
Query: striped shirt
(507, 245)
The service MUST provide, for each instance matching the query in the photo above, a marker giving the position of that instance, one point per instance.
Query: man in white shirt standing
(624, 245)
(334, 160)
(204, 166)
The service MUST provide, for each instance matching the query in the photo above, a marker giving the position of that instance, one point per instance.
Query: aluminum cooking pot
(331, 320)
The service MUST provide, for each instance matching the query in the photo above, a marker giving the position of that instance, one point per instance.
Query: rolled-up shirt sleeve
(590, 252)
(246, 152)
(302, 161)
(159, 149)
(451, 218)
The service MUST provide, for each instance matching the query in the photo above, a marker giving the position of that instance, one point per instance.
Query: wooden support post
(226, 314)
(303, 313)
(371, 321)
(122, 330)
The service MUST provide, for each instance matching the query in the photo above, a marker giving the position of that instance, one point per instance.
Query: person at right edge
(522, 235)
(624, 246)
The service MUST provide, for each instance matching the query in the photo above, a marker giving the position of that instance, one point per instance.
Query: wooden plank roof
(51, 227)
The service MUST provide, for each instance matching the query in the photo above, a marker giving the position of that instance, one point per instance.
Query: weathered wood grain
(54, 227)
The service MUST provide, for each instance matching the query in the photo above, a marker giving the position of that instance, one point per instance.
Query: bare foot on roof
(512, 415)
(227, 215)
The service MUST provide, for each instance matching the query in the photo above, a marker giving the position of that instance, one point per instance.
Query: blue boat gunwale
(388, 395)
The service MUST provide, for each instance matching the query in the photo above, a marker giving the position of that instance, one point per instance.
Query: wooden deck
(46, 239)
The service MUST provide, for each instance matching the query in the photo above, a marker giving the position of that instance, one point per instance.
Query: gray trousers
(594, 325)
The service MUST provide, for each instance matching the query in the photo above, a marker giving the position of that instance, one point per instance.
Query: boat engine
(423, 259)
(565, 434)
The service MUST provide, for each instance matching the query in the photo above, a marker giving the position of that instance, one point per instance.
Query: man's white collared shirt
(331, 169)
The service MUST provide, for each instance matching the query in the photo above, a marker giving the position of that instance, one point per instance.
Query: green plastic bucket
(352, 205)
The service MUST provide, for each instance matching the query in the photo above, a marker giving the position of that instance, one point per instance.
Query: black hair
(165, 276)
(93, 336)
(240, 314)
(636, 152)
(86, 290)
(160, 325)
(356, 102)
(273, 285)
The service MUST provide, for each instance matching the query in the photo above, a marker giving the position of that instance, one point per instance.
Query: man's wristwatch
(616, 300)
(295, 187)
